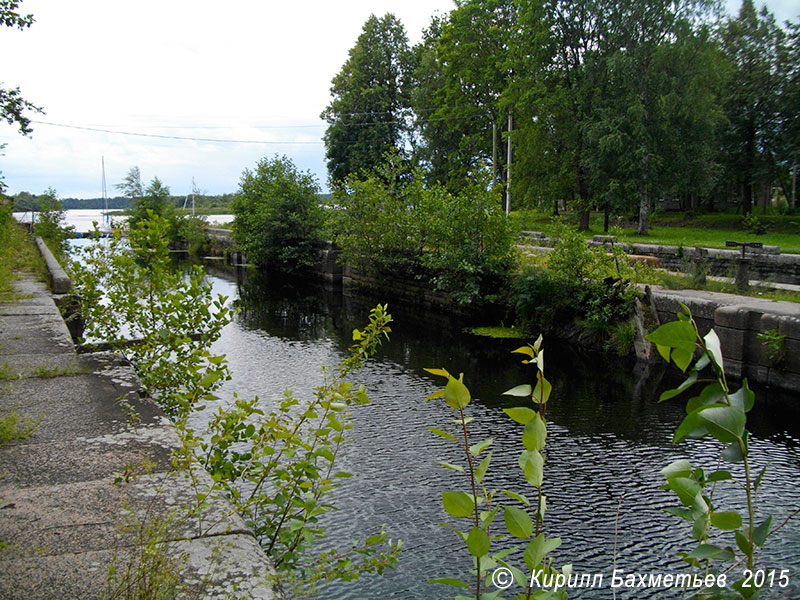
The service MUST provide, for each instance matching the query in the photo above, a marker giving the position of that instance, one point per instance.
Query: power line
(170, 137)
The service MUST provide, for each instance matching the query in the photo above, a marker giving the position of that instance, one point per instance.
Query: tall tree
(12, 104)
(640, 36)
(131, 186)
(462, 117)
(369, 114)
(753, 43)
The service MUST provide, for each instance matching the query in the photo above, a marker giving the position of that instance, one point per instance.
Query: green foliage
(191, 229)
(479, 506)
(278, 468)
(719, 413)
(278, 219)
(774, 344)
(50, 224)
(155, 199)
(129, 291)
(148, 571)
(753, 224)
(13, 426)
(581, 287)
(390, 222)
(367, 115)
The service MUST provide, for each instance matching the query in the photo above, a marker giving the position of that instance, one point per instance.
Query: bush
(388, 222)
(277, 217)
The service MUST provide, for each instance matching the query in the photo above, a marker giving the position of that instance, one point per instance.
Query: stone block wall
(738, 321)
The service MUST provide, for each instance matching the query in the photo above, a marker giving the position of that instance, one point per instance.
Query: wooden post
(508, 163)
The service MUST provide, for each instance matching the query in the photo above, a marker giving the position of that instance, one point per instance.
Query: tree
(131, 186)
(464, 70)
(278, 218)
(155, 199)
(12, 104)
(753, 43)
(368, 115)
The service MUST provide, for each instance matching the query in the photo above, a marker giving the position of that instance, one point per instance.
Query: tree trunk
(495, 166)
(793, 202)
(644, 199)
(605, 218)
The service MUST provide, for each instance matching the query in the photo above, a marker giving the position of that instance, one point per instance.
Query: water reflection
(608, 438)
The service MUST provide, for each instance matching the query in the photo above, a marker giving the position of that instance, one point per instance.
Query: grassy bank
(676, 229)
(17, 254)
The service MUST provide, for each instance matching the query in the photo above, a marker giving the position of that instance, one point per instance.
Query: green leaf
(520, 391)
(690, 381)
(711, 394)
(516, 496)
(451, 466)
(686, 489)
(678, 468)
(691, 426)
(527, 350)
(744, 398)
(439, 372)
(761, 532)
(733, 451)
(711, 552)
(714, 348)
(443, 434)
(458, 504)
(727, 521)
(532, 465)
(675, 334)
(480, 471)
(518, 522)
(725, 423)
(478, 542)
(543, 388)
(476, 449)
(682, 513)
(744, 544)
(520, 414)
(760, 478)
(456, 394)
(535, 434)
(538, 548)
(719, 476)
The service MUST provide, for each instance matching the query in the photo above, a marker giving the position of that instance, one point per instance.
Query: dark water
(608, 439)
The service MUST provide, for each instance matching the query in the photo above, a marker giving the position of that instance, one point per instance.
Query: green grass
(497, 332)
(17, 254)
(14, 427)
(675, 229)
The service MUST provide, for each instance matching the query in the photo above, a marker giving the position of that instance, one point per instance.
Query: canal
(608, 439)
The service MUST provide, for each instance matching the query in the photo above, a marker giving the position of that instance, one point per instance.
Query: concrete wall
(738, 320)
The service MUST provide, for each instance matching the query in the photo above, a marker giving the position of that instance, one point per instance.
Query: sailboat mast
(105, 194)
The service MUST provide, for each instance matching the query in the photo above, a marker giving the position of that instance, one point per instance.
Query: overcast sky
(246, 70)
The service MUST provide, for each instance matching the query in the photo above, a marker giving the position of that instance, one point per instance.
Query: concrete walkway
(64, 521)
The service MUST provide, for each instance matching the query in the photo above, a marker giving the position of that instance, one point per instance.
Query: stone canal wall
(738, 321)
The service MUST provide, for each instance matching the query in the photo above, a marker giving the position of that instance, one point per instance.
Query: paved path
(63, 518)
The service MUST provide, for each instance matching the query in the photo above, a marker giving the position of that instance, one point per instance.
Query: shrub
(390, 222)
(278, 219)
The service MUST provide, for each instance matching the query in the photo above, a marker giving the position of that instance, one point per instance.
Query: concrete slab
(38, 305)
(34, 334)
(96, 515)
(66, 408)
(64, 576)
(231, 566)
(24, 464)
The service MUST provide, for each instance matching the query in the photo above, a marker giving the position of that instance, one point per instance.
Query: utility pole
(508, 163)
